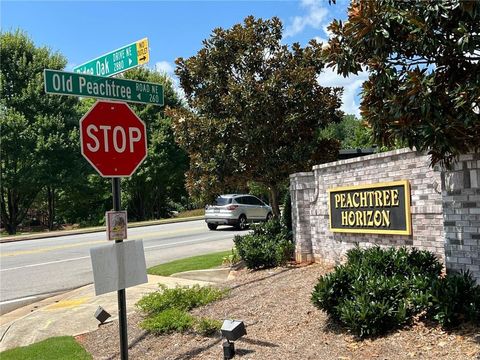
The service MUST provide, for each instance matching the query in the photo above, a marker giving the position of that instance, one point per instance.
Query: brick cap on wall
(366, 158)
(301, 174)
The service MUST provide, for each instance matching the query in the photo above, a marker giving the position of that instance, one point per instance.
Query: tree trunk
(274, 200)
(11, 223)
(51, 207)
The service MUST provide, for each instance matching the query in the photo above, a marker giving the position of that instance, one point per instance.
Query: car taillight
(232, 207)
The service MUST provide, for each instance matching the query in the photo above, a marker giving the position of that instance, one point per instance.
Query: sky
(83, 30)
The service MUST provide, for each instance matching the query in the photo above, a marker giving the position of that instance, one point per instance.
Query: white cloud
(164, 66)
(351, 88)
(168, 68)
(314, 18)
(321, 40)
(70, 66)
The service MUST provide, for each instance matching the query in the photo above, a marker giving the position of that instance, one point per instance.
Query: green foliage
(167, 309)
(176, 320)
(375, 306)
(207, 327)
(287, 211)
(168, 321)
(455, 299)
(182, 298)
(60, 347)
(351, 132)
(256, 106)
(378, 289)
(158, 185)
(268, 246)
(39, 132)
(232, 258)
(424, 74)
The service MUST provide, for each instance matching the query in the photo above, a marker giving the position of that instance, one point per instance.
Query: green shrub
(168, 321)
(268, 246)
(333, 288)
(207, 327)
(396, 261)
(231, 259)
(378, 289)
(454, 299)
(287, 211)
(166, 309)
(183, 298)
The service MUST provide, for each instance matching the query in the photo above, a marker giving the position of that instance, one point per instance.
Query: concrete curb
(44, 235)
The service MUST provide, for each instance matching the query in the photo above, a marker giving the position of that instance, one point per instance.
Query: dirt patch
(283, 324)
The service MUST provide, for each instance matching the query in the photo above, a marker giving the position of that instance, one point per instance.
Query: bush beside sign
(382, 208)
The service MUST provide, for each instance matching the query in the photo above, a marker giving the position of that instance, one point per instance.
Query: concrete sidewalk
(72, 313)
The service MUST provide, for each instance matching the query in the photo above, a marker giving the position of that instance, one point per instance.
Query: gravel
(282, 324)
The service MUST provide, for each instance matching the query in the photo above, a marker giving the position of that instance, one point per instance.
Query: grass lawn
(190, 213)
(200, 262)
(56, 348)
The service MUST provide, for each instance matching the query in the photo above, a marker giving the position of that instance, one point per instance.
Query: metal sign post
(122, 304)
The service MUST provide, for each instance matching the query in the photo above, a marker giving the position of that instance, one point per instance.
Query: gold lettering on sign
(370, 218)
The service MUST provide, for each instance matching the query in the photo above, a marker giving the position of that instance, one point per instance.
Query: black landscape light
(101, 315)
(231, 330)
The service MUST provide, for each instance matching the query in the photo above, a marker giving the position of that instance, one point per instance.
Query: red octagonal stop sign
(113, 139)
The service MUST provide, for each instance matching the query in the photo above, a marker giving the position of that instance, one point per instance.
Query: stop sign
(113, 139)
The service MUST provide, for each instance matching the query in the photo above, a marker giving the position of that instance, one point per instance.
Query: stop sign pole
(121, 296)
(113, 140)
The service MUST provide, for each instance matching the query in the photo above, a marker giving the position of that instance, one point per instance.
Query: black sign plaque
(382, 208)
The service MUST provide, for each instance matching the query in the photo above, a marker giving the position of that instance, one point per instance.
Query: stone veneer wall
(461, 210)
(445, 207)
(302, 190)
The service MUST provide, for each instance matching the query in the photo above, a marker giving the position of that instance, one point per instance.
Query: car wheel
(269, 216)
(212, 226)
(242, 222)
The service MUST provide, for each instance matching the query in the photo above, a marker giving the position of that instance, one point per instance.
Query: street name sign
(113, 139)
(69, 83)
(117, 61)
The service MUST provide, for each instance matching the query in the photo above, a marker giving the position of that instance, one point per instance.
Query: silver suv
(237, 210)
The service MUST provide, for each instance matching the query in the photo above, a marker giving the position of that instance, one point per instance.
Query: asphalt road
(32, 268)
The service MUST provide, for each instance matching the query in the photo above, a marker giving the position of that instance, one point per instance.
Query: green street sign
(69, 83)
(117, 61)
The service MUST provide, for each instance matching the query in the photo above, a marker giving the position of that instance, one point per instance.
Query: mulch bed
(282, 324)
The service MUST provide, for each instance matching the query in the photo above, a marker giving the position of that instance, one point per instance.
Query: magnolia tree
(256, 109)
(423, 60)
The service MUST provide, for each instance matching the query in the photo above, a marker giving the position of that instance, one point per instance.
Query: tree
(351, 132)
(84, 195)
(18, 189)
(160, 180)
(256, 105)
(56, 153)
(423, 58)
(35, 127)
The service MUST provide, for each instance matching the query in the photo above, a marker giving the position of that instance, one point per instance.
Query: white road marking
(178, 243)
(87, 257)
(46, 263)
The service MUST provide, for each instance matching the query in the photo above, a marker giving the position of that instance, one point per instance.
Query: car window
(248, 200)
(220, 201)
(241, 200)
(255, 201)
